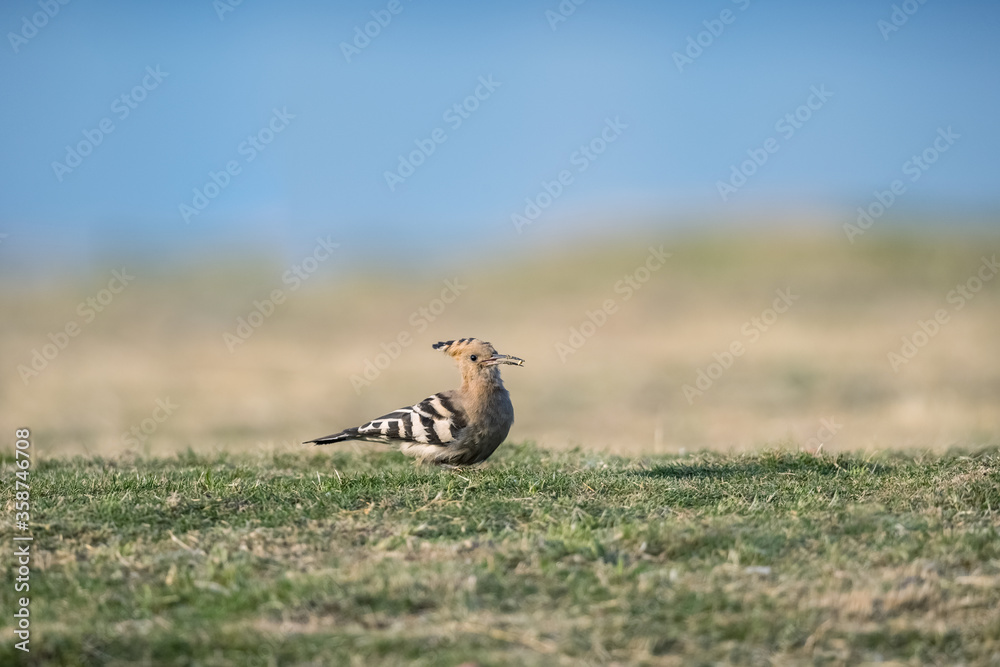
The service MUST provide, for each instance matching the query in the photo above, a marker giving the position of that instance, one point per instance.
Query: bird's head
(476, 358)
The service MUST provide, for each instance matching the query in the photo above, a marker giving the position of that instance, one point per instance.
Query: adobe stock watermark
(828, 428)
(562, 12)
(22, 504)
(223, 7)
(30, 25)
(121, 107)
(699, 42)
(751, 331)
(454, 116)
(898, 17)
(419, 320)
(248, 149)
(139, 433)
(627, 286)
(913, 168)
(786, 127)
(581, 159)
(294, 277)
(88, 310)
(364, 34)
(928, 329)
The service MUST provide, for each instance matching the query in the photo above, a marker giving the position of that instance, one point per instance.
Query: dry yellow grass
(823, 359)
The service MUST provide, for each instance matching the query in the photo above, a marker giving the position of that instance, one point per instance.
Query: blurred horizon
(254, 257)
(877, 341)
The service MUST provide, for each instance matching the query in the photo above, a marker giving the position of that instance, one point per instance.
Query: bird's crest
(457, 347)
(476, 356)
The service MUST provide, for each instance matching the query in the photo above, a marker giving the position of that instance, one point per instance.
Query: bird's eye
(473, 357)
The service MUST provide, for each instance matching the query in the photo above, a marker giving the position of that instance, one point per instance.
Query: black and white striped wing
(436, 420)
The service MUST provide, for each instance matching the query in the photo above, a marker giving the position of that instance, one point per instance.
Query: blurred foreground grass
(538, 557)
(818, 373)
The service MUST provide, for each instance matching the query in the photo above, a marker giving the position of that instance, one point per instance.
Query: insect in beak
(503, 359)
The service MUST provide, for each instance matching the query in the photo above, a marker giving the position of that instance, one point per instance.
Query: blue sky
(554, 90)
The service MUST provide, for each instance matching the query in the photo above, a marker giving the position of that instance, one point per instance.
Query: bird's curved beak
(503, 359)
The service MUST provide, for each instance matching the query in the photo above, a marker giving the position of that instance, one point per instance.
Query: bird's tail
(346, 434)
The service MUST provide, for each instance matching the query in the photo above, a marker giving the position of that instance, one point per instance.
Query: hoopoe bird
(459, 427)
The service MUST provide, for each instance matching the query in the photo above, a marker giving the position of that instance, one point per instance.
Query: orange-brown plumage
(462, 426)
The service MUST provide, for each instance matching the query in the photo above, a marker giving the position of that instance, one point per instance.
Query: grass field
(324, 556)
